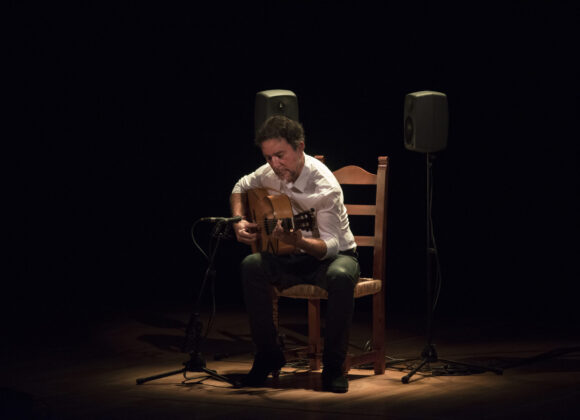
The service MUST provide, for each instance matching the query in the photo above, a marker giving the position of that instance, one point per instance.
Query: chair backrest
(355, 175)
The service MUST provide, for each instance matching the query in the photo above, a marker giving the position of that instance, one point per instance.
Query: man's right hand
(246, 232)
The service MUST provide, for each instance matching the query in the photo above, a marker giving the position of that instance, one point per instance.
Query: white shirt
(317, 188)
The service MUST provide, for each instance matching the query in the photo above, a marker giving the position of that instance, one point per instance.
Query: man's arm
(313, 246)
(237, 201)
(244, 230)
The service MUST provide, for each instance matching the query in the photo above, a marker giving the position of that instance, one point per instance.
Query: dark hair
(279, 126)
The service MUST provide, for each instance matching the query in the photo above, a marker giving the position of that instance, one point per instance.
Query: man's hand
(246, 232)
(313, 246)
(288, 237)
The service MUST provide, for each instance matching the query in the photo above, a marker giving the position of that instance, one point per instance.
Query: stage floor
(88, 369)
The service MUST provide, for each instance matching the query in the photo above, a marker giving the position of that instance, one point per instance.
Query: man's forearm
(237, 201)
(313, 246)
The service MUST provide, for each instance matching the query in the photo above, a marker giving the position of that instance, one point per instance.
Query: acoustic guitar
(265, 210)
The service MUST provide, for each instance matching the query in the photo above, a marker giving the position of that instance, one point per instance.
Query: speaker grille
(425, 121)
(274, 102)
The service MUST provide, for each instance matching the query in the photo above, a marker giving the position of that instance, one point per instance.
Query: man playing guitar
(321, 253)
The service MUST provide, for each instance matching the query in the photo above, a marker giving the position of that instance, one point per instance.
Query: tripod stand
(193, 338)
(429, 354)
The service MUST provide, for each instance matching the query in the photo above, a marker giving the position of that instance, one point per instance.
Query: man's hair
(279, 126)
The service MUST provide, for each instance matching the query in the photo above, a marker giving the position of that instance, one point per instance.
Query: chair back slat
(361, 209)
(355, 175)
(364, 240)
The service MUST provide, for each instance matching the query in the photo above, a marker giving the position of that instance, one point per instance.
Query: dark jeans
(337, 275)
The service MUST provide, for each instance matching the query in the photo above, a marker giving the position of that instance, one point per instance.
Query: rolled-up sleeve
(329, 222)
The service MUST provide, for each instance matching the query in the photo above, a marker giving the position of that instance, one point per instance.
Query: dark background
(136, 120)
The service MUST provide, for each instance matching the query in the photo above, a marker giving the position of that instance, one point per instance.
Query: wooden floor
(90, 371)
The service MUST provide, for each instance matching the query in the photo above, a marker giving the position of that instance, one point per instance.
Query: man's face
(286, 162)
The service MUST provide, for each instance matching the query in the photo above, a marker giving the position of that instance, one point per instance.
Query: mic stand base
(193, 333)
(195, 364)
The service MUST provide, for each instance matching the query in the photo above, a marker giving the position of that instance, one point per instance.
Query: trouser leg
(257, 291)
(338, 276)
(340, 279)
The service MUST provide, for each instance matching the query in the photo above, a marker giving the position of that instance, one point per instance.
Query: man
(325, 257)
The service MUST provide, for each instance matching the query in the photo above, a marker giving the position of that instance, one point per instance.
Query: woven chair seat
(364, 287)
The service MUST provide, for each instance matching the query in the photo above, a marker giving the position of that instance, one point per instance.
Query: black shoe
(334, 380)
(264, 363)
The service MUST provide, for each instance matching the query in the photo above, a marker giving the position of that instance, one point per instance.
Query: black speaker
(274, 102)
(426, 121)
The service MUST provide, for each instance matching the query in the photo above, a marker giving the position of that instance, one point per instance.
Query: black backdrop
(136, 120)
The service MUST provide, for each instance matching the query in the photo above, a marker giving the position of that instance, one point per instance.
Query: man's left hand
(289, 237)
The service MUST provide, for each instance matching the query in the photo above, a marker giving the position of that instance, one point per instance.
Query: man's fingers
(244, 235)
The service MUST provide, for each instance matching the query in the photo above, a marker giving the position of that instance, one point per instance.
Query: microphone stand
(193, 338)
(429, 353)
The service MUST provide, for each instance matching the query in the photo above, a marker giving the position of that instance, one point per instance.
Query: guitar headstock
(305, 220)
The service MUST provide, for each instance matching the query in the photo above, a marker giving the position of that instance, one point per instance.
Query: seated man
(325, 257)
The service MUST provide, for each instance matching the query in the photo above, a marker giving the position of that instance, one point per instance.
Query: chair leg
(379, 332)
(275, 316)
(314, 344)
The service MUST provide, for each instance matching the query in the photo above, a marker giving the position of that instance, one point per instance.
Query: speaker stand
(429, 354)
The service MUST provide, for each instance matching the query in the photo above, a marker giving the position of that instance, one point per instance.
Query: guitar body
(265, 210)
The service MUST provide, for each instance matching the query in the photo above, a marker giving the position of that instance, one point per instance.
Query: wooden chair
(375, 286)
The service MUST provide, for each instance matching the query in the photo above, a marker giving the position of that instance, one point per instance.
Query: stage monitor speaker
(274, 102)
(426, 121)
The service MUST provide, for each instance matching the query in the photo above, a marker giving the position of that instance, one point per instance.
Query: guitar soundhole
(303, 221)
(287, 224)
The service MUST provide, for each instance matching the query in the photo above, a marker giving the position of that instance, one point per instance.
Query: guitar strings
(270, 224)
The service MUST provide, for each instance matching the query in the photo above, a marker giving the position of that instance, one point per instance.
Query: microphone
(234, 219)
